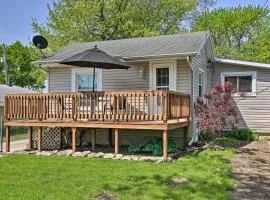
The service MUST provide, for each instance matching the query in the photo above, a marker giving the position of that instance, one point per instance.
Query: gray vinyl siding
(254, 110)
(197, 63)
(131, 79)
(183, 77)
(59, 79)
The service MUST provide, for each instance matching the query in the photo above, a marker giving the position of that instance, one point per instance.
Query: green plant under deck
(33, 177)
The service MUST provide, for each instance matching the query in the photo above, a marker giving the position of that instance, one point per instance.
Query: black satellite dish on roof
(40, 42)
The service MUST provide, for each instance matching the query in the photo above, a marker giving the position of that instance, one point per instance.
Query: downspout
(194, 134)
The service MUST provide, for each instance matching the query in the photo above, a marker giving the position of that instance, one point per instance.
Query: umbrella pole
(94, 79)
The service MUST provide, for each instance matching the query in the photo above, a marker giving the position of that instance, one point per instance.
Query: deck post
(94, 132)
(30, 137)
(74, 149)
(116, 141)
(7, 138)
(165, 144)
(110, 136)
(185, 136)
(39, 139)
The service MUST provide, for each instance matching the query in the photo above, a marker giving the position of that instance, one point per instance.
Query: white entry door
(163, 75)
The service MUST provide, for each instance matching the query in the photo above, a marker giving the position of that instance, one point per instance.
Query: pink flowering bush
(217, 111)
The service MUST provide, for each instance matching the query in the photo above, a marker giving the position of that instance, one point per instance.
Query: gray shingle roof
(137, 47)
(5, 89)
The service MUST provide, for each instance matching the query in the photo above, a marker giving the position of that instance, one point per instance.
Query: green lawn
(34, 177)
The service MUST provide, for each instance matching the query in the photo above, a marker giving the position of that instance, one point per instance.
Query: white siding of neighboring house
(133, 78)
(255, 110)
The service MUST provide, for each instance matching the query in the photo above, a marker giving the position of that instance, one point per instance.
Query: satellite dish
(40, 42)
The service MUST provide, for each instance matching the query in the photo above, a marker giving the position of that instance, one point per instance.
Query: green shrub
(242, 134)
(154, 147)
(206, 137)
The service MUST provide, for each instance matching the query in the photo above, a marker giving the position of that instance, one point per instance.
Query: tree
(85, 20)
(217, 111)
(191, 17)
(234, 28)
(21, 72)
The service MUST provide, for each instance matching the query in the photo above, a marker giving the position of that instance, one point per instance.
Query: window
(241, 81)
(85, 82)
(200, 84)
(162, 75)
(162, 79)
(82, 79)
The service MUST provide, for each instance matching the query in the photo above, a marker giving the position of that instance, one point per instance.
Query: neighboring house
(254, 79)
(184, 63)
(5, 89)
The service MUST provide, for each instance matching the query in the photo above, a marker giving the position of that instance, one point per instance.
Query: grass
(33, 177)
(17, 133)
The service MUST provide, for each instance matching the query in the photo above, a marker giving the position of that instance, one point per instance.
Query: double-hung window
(162, 78)
(242, 82)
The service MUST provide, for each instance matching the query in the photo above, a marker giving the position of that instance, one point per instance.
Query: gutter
(194, 134)
(128, 59)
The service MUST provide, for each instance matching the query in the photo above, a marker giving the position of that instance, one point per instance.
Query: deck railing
(119, 105)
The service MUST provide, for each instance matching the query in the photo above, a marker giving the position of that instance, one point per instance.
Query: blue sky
(16, 15)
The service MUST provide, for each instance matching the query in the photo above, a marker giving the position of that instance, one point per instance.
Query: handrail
(105, 105)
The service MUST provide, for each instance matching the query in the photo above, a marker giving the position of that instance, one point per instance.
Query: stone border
(90, 154)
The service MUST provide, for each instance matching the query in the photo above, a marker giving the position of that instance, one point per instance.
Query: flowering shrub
(217, 111)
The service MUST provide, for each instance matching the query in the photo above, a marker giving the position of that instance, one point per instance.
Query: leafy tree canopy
(239, 33)
(21, 72)
(85, 20)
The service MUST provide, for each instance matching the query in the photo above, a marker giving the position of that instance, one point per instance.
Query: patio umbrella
(94, 58)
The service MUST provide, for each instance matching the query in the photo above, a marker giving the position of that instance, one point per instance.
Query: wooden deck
(152, 110)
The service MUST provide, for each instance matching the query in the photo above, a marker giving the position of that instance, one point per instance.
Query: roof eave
(126, 59)
(244, 63)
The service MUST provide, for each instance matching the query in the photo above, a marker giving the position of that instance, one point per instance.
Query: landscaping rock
(64, 153)
(179, 181)
(118, 156)
(46, 153)
(81, 154)
(135, 158)
(149, 158)
(91, 155)
(127, 157)
(20, 152)
(99, 155)
(109, 156)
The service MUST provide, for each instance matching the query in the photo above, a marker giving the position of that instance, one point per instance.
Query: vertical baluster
(91, 109)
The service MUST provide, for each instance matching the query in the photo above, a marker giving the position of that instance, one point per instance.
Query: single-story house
(13, 89)
(166, 75)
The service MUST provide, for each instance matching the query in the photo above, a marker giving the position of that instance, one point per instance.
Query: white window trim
(85, 70)
(248, 73)
(171, 64)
